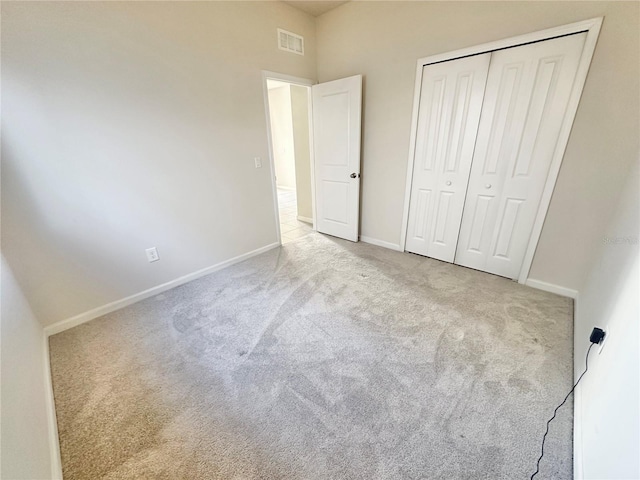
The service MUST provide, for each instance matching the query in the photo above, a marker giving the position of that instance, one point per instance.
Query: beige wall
(282, 136)
(24, 435)
(127, 125)
(607, 415)
(383, 40)
(300, 116)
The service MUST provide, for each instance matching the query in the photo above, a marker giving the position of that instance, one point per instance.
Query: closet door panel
(526, 97)
(450, 105)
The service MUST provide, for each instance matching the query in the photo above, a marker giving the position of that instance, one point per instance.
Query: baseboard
(550, 287)
(381, 243)
(118, 304)
(288, 189)
(305, 219)
(578, 470)
(54, 444)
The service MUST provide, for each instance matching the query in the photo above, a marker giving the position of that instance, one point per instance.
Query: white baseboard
(381, 243)
(578, 470)
(305, 219)
(54, 444)
(288, 189)
(123, 302)
(550, 287)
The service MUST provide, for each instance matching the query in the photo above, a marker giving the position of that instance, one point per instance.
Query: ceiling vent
(290, 42)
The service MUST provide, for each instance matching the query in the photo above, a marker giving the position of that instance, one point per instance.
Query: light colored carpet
(322, 359)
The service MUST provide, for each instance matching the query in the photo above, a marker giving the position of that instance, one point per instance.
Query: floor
(290, 227)
(320, 359)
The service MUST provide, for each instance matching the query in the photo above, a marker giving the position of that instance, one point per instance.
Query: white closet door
(527, 93)
(450, 104)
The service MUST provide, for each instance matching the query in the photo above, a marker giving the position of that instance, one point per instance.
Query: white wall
(282, 136)
(24, 435)
(300, 117)
(383, 40)
(127, 125)
(607, 403)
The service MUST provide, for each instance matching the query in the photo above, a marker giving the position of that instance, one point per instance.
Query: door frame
(592, 28)
(304, 82)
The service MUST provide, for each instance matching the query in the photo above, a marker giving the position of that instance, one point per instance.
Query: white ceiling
(316, 8)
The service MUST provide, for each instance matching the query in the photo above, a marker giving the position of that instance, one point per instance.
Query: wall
(300, 116)
(282, 136)
(383, 40)
(24, 438)
(128, 125)
(607, 415)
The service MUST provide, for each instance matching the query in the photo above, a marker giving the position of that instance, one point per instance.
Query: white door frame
(592, 28)
(305, 82)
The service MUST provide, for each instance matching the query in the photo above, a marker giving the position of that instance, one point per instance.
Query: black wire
(558, 407)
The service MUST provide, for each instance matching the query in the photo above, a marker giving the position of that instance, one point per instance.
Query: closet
(486, 133)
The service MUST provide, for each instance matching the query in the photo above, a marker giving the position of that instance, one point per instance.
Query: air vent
(290, 42)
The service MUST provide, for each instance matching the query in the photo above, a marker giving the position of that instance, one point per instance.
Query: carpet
(322, 359)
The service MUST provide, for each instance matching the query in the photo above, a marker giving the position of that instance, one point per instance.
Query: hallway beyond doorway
(290, 227)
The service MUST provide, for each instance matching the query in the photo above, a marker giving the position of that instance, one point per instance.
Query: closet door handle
(487, 186)
(448, 183)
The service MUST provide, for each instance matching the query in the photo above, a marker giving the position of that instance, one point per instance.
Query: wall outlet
(152, 254)
(258, 162)
(607, 334)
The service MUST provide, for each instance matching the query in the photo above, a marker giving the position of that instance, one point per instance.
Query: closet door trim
(592, 28)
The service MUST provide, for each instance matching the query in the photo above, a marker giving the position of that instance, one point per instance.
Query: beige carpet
(322, 359)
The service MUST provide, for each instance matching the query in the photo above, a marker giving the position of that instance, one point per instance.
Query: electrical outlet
(258, 162)
(152, 254)
(607, 334)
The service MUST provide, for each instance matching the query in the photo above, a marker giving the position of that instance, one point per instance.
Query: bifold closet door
(527, 93)
(448, 115)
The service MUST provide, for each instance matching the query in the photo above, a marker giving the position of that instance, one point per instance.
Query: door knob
(488, 185)
(354, 175)
(448, 183)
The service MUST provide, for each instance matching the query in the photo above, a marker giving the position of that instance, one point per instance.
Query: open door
(337, 108)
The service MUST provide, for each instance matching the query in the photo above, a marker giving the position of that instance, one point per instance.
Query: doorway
(314, 133)
(288, 105)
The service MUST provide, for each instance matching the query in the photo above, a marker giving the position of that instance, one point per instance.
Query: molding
(123, 302)
(552, 288)
(286, 189)
(52, 430)
(578, 470)
(381, 243)
(412, 153)
(578, 464)
(312, 158)
(305, 219)
(283, 77)
(305, 82)
(592, 28)
(546, 34)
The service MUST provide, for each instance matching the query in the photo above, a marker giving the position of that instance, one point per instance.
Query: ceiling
(316, 8)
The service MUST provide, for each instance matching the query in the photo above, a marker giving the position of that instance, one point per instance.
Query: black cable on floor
(558, 407)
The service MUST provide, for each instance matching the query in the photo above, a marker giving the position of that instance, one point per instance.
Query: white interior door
(337, 108)
(450, 104)
(526, 98)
